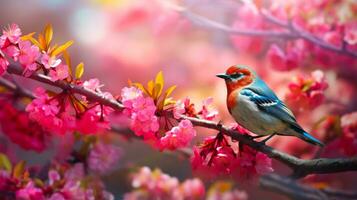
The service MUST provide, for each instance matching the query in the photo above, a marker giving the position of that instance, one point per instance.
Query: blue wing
(268, 102)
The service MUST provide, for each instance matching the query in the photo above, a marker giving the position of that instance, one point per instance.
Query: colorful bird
(256, 107)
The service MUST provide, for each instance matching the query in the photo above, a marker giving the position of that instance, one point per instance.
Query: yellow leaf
(19, 169)
(5, 163)
(79, 70)
(170, 90)
(169, 101)
(159, 79)
(156, 91)
(67, 59)
(28, 36)
(141, 87)
(151, 87)
(61, 48)
(48, 34)
(42, 41)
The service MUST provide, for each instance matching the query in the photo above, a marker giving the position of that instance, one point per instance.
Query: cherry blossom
(21, 129)
(179, 136)
(103, 157)
(49, 61)
(28, 55)
(11, 34)
(307, 92)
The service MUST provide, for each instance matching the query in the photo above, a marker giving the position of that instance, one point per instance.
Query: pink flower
(348, 140)
(49, 62)
(184, 107)
(92, 84)
(103, 157)
(284, 61)
(351, 34)
(215, 157)
(20, 129)
(156, 184)
(192, 189)
(28, 55)
(141, 110)
(3, 64)
(30, 192)
(12, 33)
(224, 190)
(59, 73)
(307, 92)
(178, 137)
(47, 112)
(207, 112)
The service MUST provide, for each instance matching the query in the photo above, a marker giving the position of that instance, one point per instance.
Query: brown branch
(292, 31)
(273, 182)
(300, 167)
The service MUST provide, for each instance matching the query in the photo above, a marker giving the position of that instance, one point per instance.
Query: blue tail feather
(309, 138)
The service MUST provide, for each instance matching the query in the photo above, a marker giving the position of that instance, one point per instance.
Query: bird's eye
(236, 75)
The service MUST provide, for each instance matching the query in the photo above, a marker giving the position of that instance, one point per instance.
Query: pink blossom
(46, 111)
(49, 62)
(351, 34)
(12, 33)
(30, 192)
(223, 190)
(284, 61)
(3, 64)
(192, 189)
(59, 73)
(156, 184)
(141, 110)
(207, 112)
(307, 92)
(28, 55)
(248, 18)
(215, 157)
(348, 140)
(21, 129)
(11, 51)
(103, 157)
(179, 136)
(92, 84)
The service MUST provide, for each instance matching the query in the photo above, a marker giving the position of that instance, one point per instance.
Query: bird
(256, 107)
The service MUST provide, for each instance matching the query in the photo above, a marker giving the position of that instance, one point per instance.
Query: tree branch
(300, 167)
(272, 182)
(293, 31)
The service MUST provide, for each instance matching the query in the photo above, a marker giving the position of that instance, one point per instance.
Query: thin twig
(292, 31)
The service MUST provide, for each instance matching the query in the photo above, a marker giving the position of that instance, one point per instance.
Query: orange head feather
(236, 77)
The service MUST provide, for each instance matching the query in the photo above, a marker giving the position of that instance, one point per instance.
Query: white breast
(247, 114)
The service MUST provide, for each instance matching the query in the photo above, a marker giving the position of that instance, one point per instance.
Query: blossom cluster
(154, 184)
(332, 23)
(21, 130)
(157, 185)
(32, 57)
(348, 139)
(64, 182)
(216, 156)
(145, 122)
(307, 92)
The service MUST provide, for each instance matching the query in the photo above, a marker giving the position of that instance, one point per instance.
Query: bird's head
(237, 76)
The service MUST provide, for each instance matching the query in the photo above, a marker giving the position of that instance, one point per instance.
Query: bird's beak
(224, 76)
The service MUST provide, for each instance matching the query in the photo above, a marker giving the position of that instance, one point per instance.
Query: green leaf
(79, 70)
(5, 163)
